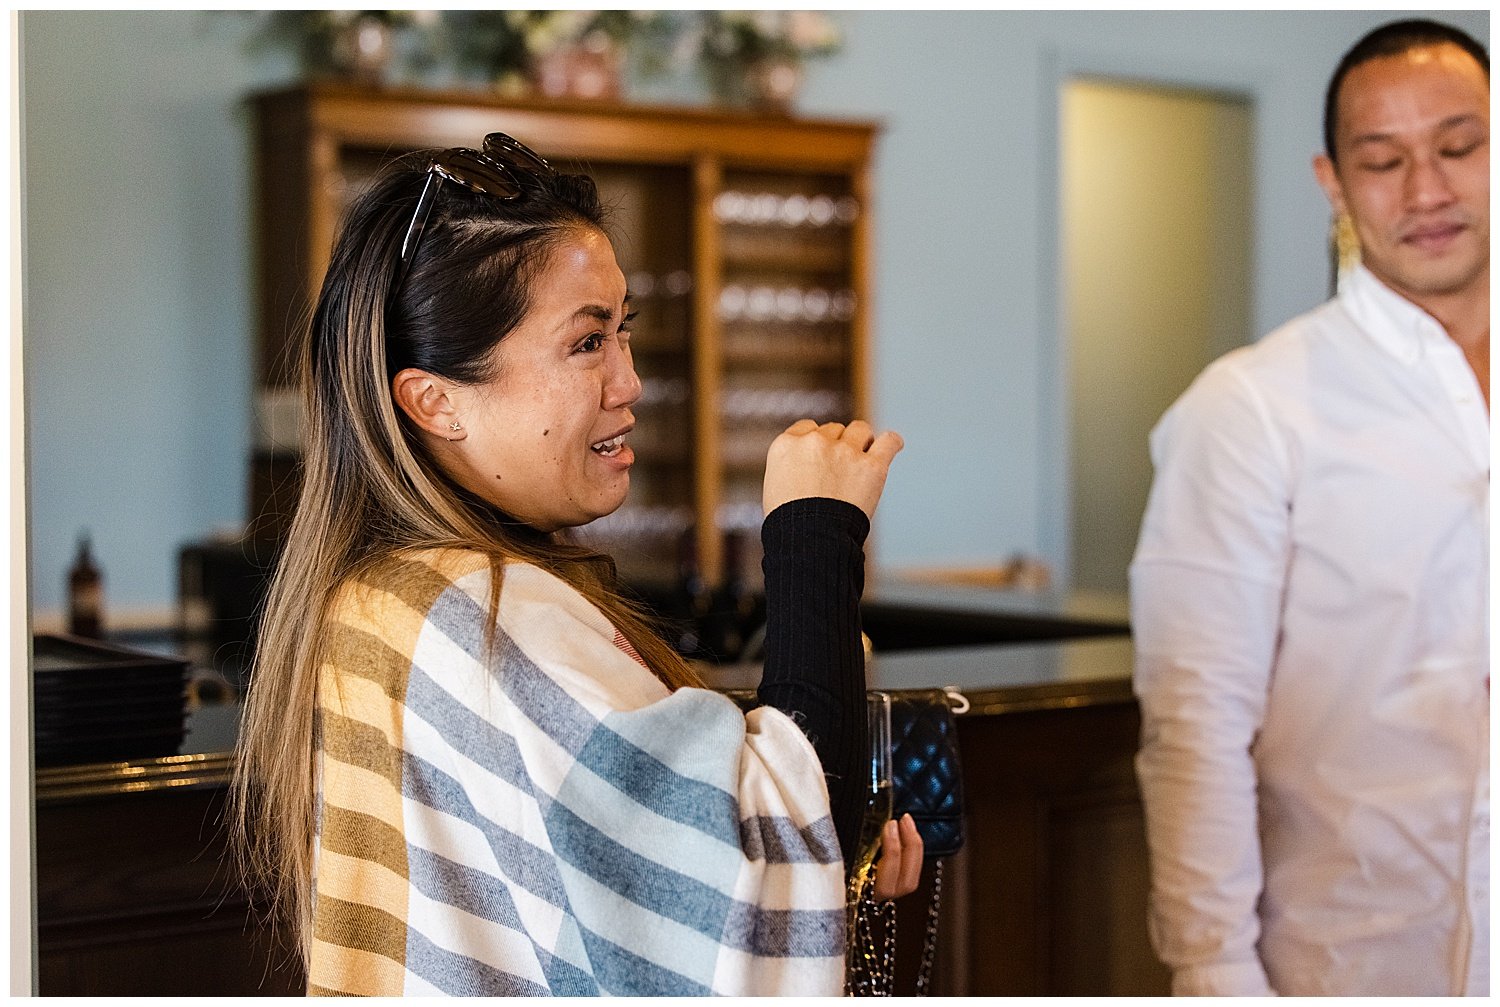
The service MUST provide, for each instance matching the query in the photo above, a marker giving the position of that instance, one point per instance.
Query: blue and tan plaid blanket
(544, 816)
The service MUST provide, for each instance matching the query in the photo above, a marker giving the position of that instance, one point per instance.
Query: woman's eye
(625, 322)
(592, 343)
(1390, 165)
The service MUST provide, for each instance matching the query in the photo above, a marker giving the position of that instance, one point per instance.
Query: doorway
(1156, 258)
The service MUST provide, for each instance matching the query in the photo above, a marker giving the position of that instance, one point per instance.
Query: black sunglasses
(499, 171)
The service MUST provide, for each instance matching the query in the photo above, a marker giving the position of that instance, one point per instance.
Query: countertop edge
(87, 781)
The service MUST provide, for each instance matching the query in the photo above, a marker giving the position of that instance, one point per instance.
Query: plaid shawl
(545, 817)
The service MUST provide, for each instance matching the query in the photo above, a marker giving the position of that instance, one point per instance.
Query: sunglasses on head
(499, 171)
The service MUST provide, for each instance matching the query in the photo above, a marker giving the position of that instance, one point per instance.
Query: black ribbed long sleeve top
(814, 667)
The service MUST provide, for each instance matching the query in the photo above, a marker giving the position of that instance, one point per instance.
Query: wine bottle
(735, 605)
(694, 601)
(85, 593)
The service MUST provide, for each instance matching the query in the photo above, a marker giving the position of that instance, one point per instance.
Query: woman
(468, 764)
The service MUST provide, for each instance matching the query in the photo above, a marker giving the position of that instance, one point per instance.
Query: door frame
(1059, 66)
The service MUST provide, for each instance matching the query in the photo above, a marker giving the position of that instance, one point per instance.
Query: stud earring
(455, 426)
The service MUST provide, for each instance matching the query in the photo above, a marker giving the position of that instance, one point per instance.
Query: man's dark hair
(1392, 40)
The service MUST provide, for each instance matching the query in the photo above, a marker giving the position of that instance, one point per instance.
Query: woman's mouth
(609, 448)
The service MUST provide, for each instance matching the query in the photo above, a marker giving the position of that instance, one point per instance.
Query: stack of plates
(96, 702)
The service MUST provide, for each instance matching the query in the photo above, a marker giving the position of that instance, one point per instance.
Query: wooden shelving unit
(744, 239)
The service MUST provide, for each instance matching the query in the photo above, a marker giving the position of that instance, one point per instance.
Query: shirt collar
(1393, 323)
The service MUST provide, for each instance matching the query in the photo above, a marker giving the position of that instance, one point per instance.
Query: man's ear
(427, 401)
(1328, 178)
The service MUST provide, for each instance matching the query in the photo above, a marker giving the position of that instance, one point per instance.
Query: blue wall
(138, 294)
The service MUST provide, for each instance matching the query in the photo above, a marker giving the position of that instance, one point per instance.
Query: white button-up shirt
(1310, 608)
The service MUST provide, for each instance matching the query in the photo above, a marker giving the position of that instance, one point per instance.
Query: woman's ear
(427, 401)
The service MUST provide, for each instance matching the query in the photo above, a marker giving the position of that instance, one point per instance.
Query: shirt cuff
(817, 514)
(1222, 979)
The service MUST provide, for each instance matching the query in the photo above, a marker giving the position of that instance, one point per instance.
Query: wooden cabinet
(135, 893)
(744, 241)
(1051, 888)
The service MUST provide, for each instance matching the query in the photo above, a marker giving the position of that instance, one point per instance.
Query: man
(1310, 590)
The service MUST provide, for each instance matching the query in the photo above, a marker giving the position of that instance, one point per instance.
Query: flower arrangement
(556, 50)
(576, 52)
(750, 36)
(756, 57)
(360, 44)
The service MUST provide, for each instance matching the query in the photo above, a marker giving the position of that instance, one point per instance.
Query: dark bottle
(85, 593)
(735, 605)
(694, 602)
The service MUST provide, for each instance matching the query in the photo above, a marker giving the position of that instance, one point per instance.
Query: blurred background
(1020, 332)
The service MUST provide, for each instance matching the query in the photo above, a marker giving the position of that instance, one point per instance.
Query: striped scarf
(544, 816)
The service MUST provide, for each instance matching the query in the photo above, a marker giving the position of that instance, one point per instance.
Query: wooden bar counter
(1048, 896)
(134, 895)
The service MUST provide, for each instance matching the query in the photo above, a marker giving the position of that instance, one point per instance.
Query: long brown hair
(370, 488)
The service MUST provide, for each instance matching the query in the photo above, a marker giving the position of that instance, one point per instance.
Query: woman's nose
(623, 386)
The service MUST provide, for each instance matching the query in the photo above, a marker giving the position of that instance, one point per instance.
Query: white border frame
(21, 880)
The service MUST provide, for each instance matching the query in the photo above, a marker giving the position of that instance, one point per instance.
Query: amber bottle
(85, 593)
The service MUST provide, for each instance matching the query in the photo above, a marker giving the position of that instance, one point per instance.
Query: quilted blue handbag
(926, 775)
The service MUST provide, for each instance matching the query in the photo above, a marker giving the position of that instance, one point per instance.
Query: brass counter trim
(56, 784)
(107, 779)
(996, 702)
